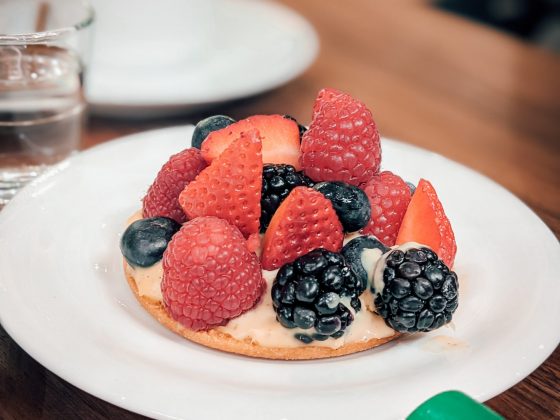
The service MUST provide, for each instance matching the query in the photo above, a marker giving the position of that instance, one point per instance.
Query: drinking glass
(44, 47)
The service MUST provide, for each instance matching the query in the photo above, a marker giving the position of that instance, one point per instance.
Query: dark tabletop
(432, 79)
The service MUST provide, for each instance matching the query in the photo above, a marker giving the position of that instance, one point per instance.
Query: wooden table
(432, 79)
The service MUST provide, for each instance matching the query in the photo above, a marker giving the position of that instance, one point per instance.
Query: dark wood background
(432, 79)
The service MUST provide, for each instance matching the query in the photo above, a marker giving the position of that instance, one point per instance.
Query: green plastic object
(453, 405)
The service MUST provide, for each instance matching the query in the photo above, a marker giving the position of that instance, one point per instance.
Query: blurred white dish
(64, 299)
(166, 57)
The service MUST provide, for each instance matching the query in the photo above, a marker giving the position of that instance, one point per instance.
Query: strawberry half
(425, 222)
(304, 221)
(230, 188)
(280, 139)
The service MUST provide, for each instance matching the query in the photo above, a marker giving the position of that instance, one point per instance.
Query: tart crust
(219, 340)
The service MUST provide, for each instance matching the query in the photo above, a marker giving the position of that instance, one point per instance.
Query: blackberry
(278, 181)
(145, 240)
(353, 251)
(351, 204)
(302, 128)
(207, 125)
(420, 293)
(307, 294)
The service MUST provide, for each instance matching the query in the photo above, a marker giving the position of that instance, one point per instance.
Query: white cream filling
(260, 325)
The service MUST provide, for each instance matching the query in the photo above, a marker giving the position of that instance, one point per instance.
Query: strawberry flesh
(425, 222)
(304, 221)
(280, 139)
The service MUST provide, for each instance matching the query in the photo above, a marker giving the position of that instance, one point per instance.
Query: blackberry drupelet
(420, 292)
(307, 294)
(278, 181)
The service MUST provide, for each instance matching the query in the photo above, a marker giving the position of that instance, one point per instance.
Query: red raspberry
(209, 275)
(230, 188)
(162, 196)
(342, 143)
(389, 197)
(324, 95)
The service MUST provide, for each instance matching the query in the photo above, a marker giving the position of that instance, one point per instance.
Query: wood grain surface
(432, 79)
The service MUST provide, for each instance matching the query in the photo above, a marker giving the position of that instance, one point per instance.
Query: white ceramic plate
(170, 56)
(64, 299)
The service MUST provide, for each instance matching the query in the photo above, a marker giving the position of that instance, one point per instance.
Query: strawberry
(162, 196)
(209, 275)
(280, 139)
(230, 188)
(425, 222)
(342, 143)
(304, 221)
(388, 196)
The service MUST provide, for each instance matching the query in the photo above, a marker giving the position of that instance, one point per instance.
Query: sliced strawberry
(280, 139)
(425, 222)
(304, 221)
(230, 188)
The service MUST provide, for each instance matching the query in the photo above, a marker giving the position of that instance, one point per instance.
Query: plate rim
(85, 386)
(102, 105)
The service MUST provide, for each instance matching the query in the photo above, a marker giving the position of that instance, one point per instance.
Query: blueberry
(304, 318)
(307, 289)
(207, 125)
(411, 187)
(353, 251)
(350, 203)
(145, 240)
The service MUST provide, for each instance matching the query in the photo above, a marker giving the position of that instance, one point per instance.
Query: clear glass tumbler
(44, 46)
